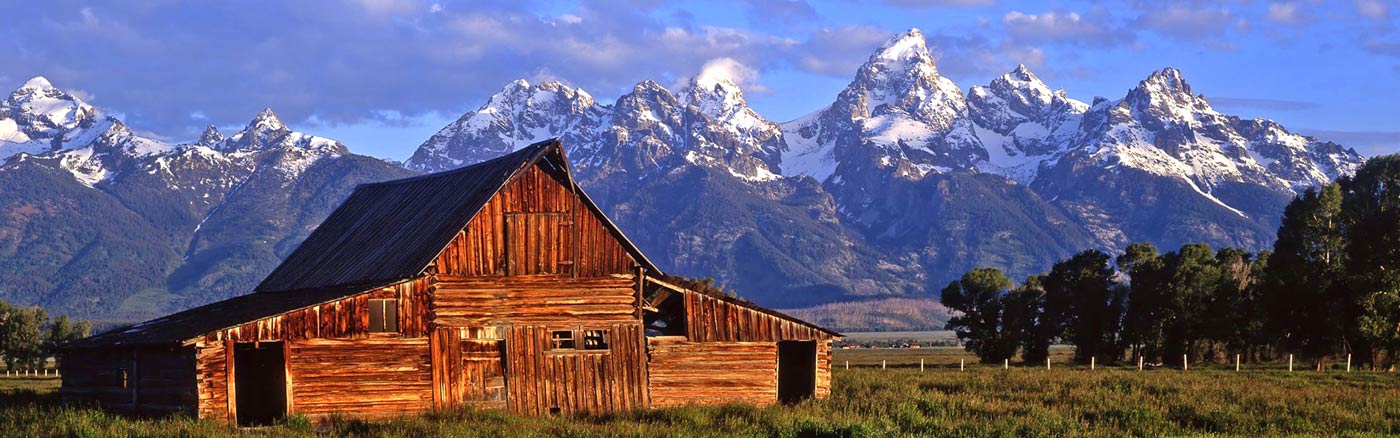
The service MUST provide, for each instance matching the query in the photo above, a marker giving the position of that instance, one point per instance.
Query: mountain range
(902, 183)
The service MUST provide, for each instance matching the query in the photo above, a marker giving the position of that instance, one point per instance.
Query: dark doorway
(797, 370)
(260, 383)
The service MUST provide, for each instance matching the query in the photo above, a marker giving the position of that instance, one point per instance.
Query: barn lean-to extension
(498, 285)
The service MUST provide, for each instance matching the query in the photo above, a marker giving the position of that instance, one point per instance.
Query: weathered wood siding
(536, 225)
(710, 319)
(372, 377)
(310, 330)
(468, 370)
(137, 379)
(211, 361)
(823, 369)
(488, 301)
(685, 372)
(541, 381)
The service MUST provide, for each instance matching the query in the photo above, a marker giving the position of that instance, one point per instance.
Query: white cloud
(1287, 13)
(1373, 9)
(1065, 27)
(729, 70)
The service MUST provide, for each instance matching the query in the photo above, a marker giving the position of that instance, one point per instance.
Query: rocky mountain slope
(106, 223)
(917, 179)
(902, 183)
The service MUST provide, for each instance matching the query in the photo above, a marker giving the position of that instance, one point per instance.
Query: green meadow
(899, 400)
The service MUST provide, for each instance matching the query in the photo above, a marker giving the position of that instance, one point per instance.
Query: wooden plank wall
(374, 377)
(467, 371)
(542, 204)
(710, 319)
(343, 319)
(539, 380)
(685, 372)
(488, 301)
(158, 379)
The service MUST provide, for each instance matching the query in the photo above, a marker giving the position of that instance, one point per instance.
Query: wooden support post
(1237, 361)
(1290, 362)
(1348, 362)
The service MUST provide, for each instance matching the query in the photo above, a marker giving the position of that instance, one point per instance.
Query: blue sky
(383, 75)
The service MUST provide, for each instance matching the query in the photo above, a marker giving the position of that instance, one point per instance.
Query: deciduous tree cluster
(1330, 287)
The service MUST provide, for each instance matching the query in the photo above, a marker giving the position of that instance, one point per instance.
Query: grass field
(985, 400)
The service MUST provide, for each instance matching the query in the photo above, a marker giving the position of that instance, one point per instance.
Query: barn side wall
(146, 379)
(722, 329)
(373, 377)
(687, 372)
(334, 332)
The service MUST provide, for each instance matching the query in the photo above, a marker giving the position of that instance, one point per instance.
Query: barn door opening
(483, 367)
(797, 370)
(260, 382)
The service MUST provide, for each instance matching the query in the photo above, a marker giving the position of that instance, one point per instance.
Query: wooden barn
(498, 285)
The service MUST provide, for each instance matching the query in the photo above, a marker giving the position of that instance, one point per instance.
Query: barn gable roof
(393, 230)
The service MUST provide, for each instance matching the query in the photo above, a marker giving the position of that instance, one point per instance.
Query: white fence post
(1290, 362)
(848, 364)
(1237, 361)
(1185, 363)
(1006, 364)
(882, 364)
(921, 365)
(1092, 363)
(1348, 362)
(1139, 363)
(962, 364)
(1047, 363)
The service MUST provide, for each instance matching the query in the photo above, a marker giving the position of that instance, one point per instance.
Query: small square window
(562, 339)
(383, 316)
(595, 339)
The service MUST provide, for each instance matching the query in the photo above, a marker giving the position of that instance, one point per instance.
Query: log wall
(536, 225)
(685, 372)
(490, 301)
(542, 381)
(340, 324)
(374, 377)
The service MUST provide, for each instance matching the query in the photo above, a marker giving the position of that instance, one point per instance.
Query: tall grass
(984, 401)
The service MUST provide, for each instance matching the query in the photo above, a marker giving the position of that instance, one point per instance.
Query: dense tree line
(1330, 287)
(28, 337)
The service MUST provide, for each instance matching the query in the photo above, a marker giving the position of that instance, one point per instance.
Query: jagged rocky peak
(211, 137)
(1017, 97)
(714, 95)
(1166, 94)
(38, 105)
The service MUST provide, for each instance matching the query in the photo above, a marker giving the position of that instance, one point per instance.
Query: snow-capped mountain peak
(37, 116)
(210, 137)
(909, 47)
